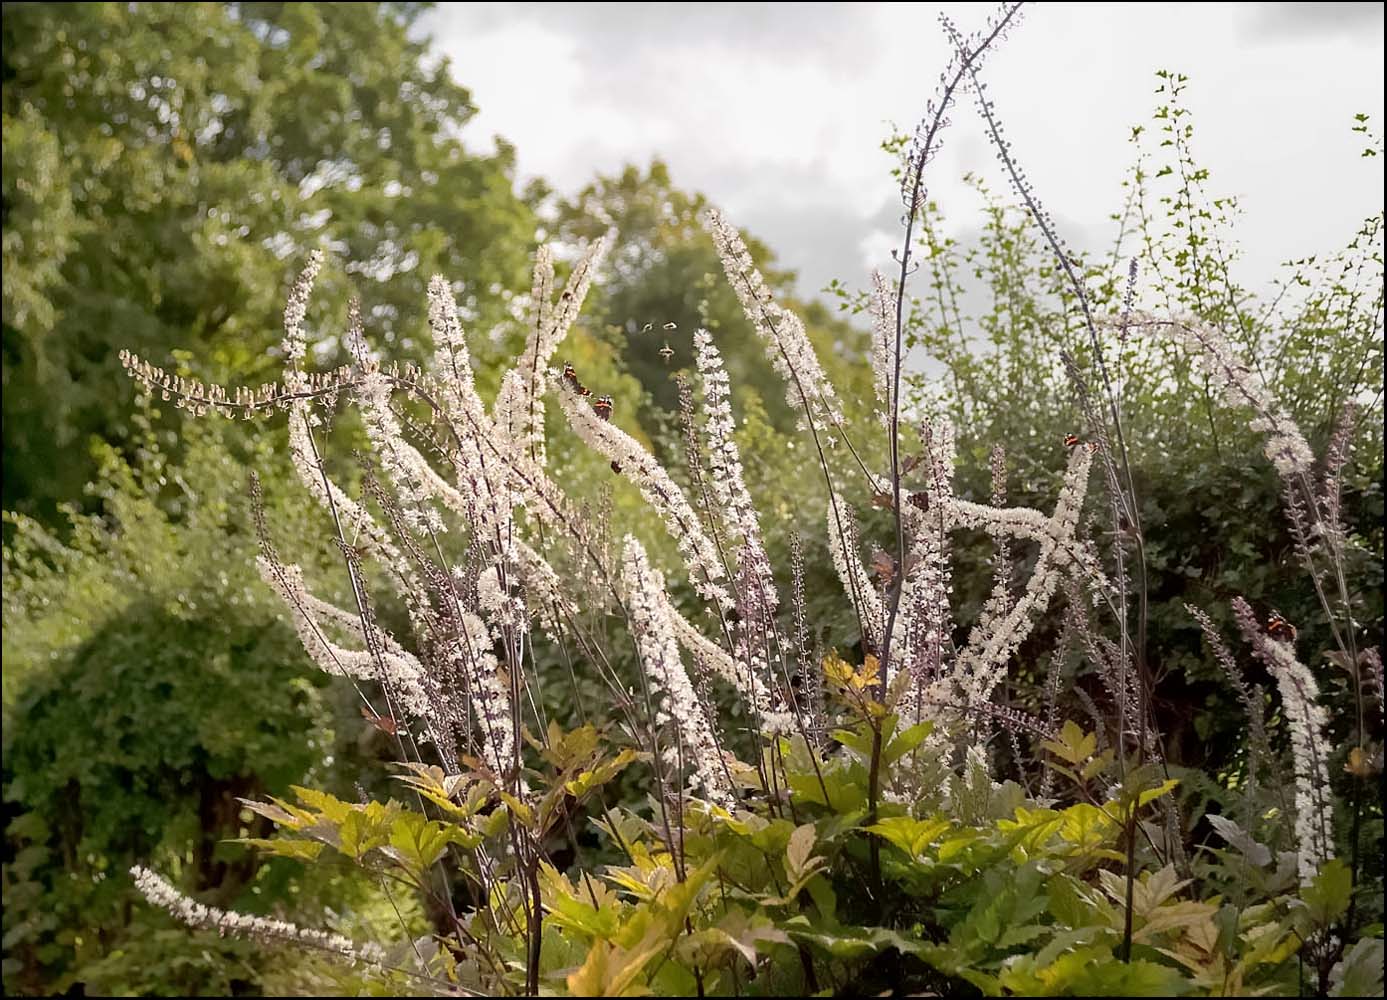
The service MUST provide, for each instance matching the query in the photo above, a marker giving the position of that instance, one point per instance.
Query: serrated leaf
(1327, 896)
(1253, 853)
(300, 850)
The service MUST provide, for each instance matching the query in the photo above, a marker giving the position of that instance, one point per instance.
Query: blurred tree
(149, 682)
(166, 167)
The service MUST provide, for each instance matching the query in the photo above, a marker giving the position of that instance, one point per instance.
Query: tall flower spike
(999, 633)
(696, 751)
(924, 617)
(408, 471)
(656, 486)
(883, 345)
(397, 670)
(489, 693)
(729, 487)
(924, 624)
(1314, 821)
(482, 452)
(842, 545)
(452, 362)
(295, 345)
(160, 893)
(519, 408)
(787, 344)
(1286, 447)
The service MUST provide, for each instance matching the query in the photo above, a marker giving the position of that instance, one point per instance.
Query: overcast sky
(776, 111)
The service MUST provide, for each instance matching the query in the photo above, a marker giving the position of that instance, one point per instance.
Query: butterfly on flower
(602, 406)
(1280, 629)
(1071, 440)
(570, 378)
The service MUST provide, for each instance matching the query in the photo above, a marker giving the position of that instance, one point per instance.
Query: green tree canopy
(167, 166)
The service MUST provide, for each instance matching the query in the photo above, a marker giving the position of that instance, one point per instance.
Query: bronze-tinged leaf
(884, 500)
(1360, 764)
(912, 462)
(384, 723)
(884, 567)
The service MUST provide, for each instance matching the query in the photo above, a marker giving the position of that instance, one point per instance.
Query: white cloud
(776, 111)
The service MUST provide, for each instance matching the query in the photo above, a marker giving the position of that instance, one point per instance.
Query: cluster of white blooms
(518, 412)
(724, 459)
(391, 665)
(452, 361)
(697, 749)
(883, 345)
(408, 471)
(924, 625)
(655, 485)
(1003, 627)
(550, 605)
(295, 345)
(481, 471)
(787, 342)
(1286, 447)
(746, 681)
(925, 620)
(842, 545)
(1306, 720)
(488, 690)
(160, 893)
(928, 581)
(499, 597)
(756, 593)
(519, 409)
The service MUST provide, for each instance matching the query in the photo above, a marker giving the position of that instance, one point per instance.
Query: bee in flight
(1280, 629)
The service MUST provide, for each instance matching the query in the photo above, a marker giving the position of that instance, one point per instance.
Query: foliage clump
(924, 812)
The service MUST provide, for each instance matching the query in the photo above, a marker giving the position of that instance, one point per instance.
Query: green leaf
(1073, 745)
(911, 835)
(300, 850)
(1254, 853)
(906, 741)
(1359, 972)
(416, 842)
(364, 829)
(797, 852)
(1328, 895)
